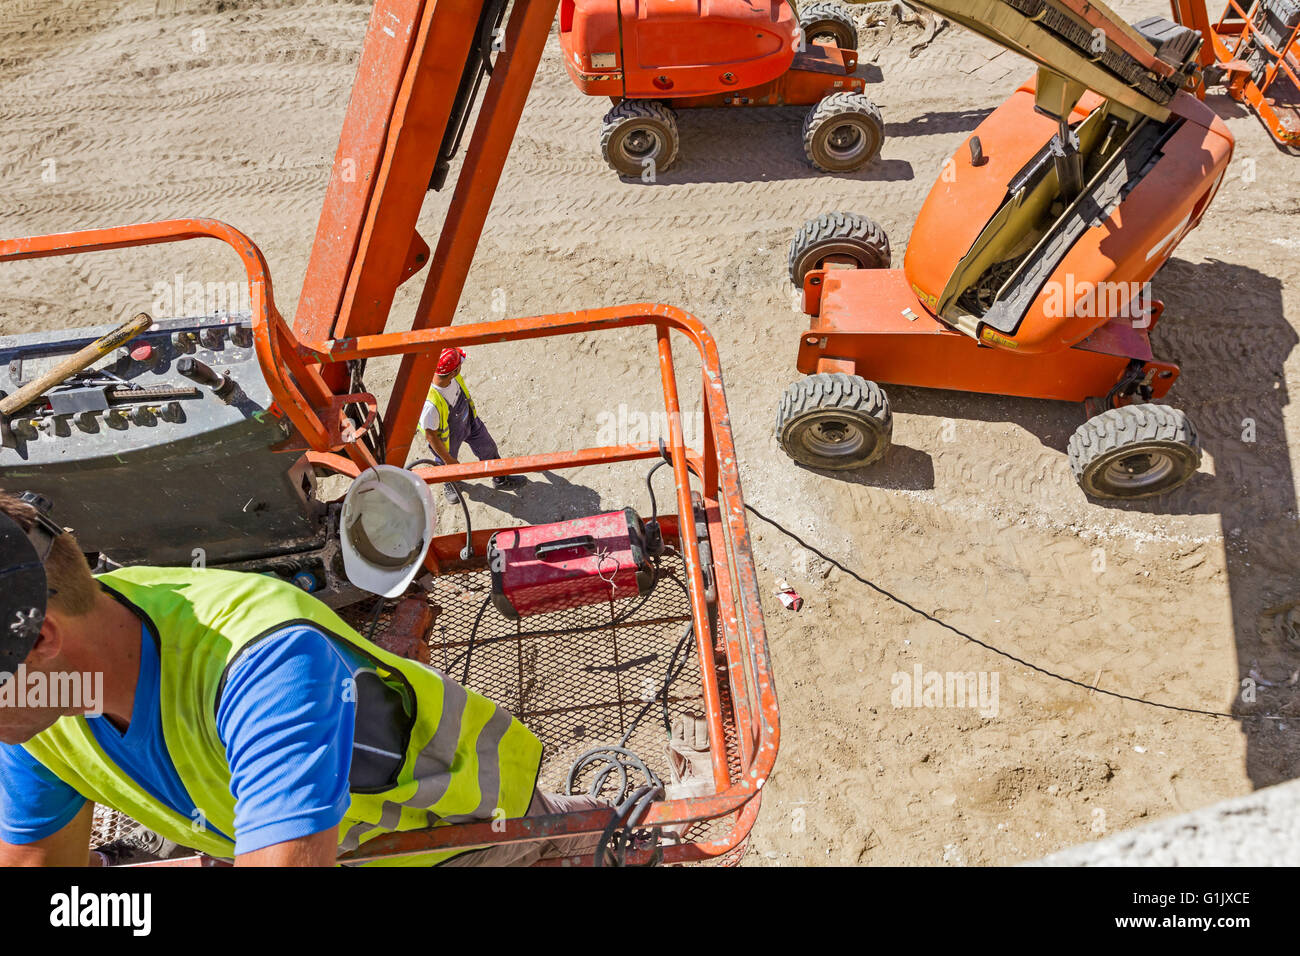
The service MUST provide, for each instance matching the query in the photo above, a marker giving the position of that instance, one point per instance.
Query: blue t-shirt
(286, 718)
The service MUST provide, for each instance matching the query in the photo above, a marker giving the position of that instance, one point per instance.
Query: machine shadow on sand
(938, 122)
(772, 149)
(729, 146)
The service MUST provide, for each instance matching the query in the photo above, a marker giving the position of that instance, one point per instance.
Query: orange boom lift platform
(295, 400)
(1252, 51)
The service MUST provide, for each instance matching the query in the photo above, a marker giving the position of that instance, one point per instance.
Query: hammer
(82, 359)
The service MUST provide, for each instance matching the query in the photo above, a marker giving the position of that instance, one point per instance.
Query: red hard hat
(450, 360)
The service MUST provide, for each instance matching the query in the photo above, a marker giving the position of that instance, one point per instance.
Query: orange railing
(737, 684)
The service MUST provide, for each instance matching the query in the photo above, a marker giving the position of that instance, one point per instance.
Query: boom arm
(1087, 46)
(421, 66)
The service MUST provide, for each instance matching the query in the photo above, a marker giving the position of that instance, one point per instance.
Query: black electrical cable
(374, 618)
(673, 672)
(585, 629)
(616, 759)
(975, 640)
(629, 813)
(654, 503)
(473, 631)
(611, 759)
(466, 552)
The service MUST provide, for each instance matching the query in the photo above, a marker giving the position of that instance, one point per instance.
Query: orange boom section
(1103, 273)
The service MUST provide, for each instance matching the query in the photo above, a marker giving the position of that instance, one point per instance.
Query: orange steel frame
(365, 246)
(1224, 38)
(882, 344)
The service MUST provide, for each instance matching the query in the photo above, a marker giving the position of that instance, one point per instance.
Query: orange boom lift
(1251, 50)
(272, 408)
(654, 57)
(1027, 270)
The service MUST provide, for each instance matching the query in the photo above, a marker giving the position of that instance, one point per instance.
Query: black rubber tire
(637, 130)
(1135, 451)
(837, 233)
(843, 132)
(829, 20)
(834, 421)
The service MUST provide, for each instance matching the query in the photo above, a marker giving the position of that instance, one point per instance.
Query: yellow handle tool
(77, 362)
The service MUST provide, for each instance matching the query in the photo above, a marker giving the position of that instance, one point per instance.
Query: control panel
(164, 451)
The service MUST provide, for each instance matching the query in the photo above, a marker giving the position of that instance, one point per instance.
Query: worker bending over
(238, 716)
(450, 419)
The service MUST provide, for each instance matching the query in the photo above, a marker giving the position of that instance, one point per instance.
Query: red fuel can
(551, 567)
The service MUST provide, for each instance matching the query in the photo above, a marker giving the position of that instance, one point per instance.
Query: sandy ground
(117, 111)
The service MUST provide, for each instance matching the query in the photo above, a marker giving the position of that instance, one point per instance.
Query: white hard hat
(386, 528)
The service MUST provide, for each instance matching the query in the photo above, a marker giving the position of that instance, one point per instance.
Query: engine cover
(663, 49)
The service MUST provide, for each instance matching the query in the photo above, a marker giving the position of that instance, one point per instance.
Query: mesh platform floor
(580, 678)
(108, 825)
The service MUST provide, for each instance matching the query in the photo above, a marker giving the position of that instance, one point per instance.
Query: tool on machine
(82, 359)
(1027, 271)
(236, 478)
(80, 399)
(654, 57)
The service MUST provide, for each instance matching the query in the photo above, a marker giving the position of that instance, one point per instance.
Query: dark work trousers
(467, 428)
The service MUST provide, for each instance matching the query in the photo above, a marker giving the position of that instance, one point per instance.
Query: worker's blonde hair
(66, 570)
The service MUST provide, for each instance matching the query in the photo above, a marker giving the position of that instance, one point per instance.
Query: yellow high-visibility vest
(444, 410)
(458, 757)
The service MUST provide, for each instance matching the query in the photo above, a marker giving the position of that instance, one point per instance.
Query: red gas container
(551, 567)
(675, 48)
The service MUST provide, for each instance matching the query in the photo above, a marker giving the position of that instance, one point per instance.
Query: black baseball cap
(24, 590)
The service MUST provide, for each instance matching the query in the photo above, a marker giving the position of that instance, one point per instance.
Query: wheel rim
(847, 142)
(640, 143)
(830, 436)
(1139, 469)
(817, 256)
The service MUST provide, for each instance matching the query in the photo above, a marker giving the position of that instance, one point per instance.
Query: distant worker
(450, 419)
(234, 714)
